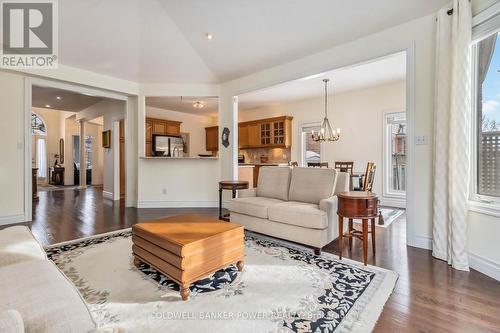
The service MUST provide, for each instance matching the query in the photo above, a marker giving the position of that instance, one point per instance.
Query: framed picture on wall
(106, 139)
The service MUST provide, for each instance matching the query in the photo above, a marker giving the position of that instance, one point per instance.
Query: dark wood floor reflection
(429, 296)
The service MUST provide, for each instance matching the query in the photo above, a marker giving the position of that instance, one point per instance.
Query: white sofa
(35, 296)
(295, 204)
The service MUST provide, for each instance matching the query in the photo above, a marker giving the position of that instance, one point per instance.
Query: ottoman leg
(240, 265)
(185, 292)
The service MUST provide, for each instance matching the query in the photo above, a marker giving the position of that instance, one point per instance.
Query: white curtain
(41, 158)
(452, 125)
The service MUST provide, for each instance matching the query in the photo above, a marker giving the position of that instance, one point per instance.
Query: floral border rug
(283, 288)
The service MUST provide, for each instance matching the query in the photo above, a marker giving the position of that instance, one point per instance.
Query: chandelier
(326, 134)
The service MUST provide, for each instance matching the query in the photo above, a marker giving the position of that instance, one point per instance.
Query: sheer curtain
(41, 158)
(452, 125)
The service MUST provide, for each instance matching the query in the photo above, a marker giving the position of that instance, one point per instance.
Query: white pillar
(83, 157)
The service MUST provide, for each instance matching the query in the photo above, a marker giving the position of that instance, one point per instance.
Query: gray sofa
(35, 296)
(295, 204)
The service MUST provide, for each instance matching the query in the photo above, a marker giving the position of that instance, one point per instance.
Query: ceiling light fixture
(198, 105)
(47, 105)
(325, 133)
(209, 36)
(58, 98)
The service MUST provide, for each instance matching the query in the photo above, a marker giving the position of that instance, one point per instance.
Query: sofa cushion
(301, 214)
(11, 322)
(45, 298)
(253, 206)
(312, 184)
(17, 244)
(274, 182)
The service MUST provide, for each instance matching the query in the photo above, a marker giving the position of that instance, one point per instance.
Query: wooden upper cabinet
(149, 130)
(212, 138)
(173, 127)
(267, 133)
(243, 137)
(253, 135)
(159, 127)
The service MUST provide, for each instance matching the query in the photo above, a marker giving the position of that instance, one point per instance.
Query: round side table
(357, 205)
(232, 185)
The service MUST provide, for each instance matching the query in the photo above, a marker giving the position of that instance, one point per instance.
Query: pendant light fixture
(326, 134)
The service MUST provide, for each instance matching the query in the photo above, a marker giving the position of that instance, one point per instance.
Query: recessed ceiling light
(209, 36)
(58, 98)
(198, 105)
(47, 105)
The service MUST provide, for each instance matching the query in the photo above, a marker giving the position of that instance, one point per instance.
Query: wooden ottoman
(187, 248)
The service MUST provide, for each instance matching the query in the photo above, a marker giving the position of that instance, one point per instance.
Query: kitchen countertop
(178, 158)
(262, 164)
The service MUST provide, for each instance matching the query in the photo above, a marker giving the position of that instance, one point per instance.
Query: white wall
(178, 183)
(358, 113)
(191, 123)
(12, 139)
(111, 110)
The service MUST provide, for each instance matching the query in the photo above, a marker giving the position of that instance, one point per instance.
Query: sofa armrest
(329, 205)
(251, 192)
(11, 322)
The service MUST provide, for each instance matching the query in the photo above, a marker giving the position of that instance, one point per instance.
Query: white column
(83, 157)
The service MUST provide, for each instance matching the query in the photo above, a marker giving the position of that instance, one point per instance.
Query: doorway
(358, 102)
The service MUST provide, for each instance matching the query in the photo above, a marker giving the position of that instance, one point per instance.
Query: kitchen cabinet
(242, 136)
(173, 127)
(159, 127)
(253, 135)
(267, 133)
(212, 138)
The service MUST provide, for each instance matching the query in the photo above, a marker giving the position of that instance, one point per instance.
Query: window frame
(386, 158)
(303, 143)
(485, 24)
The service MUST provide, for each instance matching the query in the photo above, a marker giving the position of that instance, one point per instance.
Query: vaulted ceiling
(153, 41)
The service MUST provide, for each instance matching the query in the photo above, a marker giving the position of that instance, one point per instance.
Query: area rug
(283, 288)
(390, 215)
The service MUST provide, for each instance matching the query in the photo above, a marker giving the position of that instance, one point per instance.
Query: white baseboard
(176, 204)
(485, 266)
(392, 202)
(107, 195)
(12, 219)
(421, 242)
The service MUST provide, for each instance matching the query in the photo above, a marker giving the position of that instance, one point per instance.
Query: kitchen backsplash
(275, 155)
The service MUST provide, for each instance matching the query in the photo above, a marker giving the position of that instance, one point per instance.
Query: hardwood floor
(429, 296)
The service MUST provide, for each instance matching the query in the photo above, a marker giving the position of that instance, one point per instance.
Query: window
(395, 149)
(486, 148)
(37, 125)
(88, 150)
(311, 150)
(41, 158)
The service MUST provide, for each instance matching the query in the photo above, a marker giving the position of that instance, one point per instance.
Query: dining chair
(345, 167)
(369, 176)
(317, 164)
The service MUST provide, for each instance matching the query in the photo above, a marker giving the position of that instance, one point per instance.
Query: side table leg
(350, 228)
(341, 235)
(220, 203)
(373, 236)
(365, 241)
(185, 292)
(240, 264)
